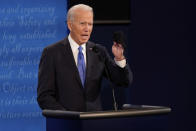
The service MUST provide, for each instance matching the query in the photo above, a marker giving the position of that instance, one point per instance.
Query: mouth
(85, 36)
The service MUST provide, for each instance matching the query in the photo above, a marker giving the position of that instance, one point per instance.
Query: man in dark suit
(71, 70)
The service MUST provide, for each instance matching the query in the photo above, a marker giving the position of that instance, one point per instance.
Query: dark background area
(107, 11)
(160, 53)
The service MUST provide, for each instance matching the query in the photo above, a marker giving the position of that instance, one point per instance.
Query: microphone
(96, 50)
(119, 38)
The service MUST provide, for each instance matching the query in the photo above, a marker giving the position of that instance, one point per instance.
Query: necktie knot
(80, 49)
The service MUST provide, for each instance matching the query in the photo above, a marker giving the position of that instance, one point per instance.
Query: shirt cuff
(121, 63)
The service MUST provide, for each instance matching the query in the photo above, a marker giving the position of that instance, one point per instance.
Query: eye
(90, 24)
(82, 23)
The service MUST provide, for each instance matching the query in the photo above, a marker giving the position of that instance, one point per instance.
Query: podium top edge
(132, 112)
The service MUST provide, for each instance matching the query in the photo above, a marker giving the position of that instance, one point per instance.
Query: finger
(119, 45)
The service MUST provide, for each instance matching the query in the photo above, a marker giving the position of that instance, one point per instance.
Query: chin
(84, 41)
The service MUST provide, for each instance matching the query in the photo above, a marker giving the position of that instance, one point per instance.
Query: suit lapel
(70, 59)
(89, 59)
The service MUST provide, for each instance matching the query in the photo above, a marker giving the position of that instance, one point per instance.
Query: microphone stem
(113, 92)
(115, 104)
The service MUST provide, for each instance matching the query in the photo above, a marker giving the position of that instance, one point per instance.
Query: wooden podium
(135, 118)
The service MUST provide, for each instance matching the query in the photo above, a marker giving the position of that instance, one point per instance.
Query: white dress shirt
(75, 46)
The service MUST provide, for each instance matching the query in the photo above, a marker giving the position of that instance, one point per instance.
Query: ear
(69, 24)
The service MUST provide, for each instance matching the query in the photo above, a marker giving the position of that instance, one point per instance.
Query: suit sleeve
(117, 75)
(46, 92)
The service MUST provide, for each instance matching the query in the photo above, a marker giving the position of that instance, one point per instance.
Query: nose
(88, 27)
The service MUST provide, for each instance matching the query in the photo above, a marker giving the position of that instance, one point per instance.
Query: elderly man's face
(81, 27)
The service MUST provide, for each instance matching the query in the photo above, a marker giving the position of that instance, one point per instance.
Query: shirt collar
(74, 45)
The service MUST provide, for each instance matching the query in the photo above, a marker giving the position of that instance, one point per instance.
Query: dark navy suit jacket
(59, 84)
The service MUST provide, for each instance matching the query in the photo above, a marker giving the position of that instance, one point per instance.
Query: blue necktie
(81, 65)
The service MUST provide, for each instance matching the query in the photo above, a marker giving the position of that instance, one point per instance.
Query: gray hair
(71, 11)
